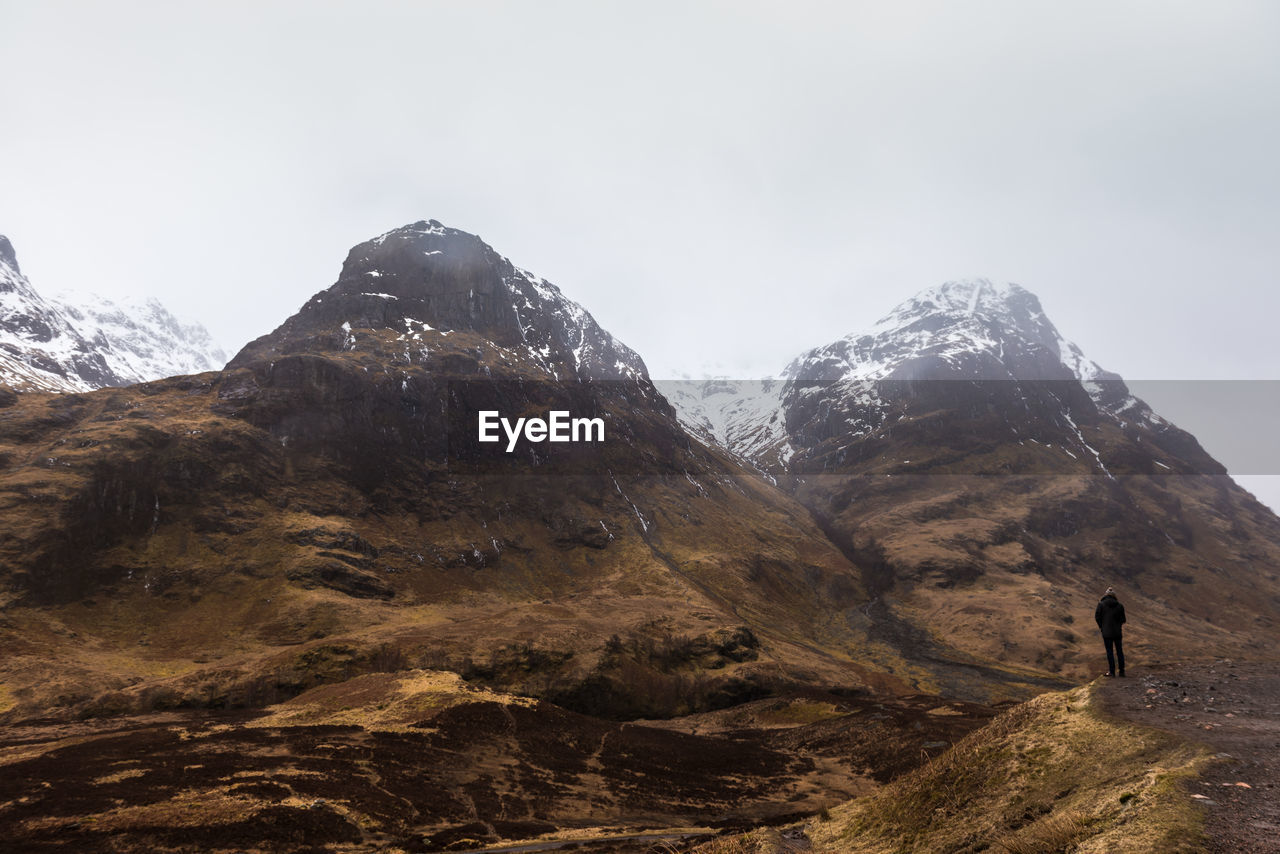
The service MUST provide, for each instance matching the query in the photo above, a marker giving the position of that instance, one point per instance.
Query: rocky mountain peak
(993, 339)
(413, 249)
(454, 279)
(427, 276)
(7, 256)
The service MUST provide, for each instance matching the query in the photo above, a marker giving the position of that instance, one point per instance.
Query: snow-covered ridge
(969, 329)
(952, 323)
(79, 342)
(141, 338)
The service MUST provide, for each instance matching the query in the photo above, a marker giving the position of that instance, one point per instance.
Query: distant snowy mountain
(744, 417)
(81, 342)
(967, 329)
(962, 331)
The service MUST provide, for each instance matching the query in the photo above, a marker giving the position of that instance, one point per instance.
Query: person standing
(1110, 618)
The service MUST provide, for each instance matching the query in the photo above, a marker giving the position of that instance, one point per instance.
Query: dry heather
(382, 702)
(1052, 774)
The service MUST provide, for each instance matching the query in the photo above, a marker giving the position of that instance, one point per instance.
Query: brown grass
(198, 602)
(1055, 832)
(762, 841)
(381, 702)
(1049, 775)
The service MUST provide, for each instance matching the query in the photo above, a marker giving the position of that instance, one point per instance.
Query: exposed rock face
(7, 256)
(442, 327)
(981, 467)
(426, 274)
(78, 343)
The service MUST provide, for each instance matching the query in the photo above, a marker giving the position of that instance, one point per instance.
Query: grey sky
(722, 184)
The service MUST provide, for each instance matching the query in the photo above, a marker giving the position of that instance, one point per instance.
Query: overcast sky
(723, 185)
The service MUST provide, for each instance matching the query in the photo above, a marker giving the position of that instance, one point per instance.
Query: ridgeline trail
(1234, 709)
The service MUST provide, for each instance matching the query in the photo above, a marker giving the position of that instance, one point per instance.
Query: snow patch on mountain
(573, 329)
(742, 416)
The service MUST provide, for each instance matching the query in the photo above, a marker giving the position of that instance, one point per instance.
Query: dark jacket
(1110, 617)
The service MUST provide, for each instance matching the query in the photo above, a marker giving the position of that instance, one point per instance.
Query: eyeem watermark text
(558, 426)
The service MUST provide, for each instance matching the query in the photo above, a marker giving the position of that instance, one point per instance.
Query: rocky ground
(1234, 709)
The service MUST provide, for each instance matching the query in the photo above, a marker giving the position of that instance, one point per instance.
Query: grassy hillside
(1052, 774)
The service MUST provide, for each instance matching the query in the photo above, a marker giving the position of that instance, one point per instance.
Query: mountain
(963, 331)
(306, 578)
(326, 498)
(982, 336)
(428, 274)
(301, 602)
(992, 480)
(82, 342)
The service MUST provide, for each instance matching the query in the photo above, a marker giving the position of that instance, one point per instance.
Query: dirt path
(1234, 708)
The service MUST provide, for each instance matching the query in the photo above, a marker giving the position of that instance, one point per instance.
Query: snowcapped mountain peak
(1007, 306)
(742, 416)
(963, 297)
(968, 330)
(962, 329)
(80, 342)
